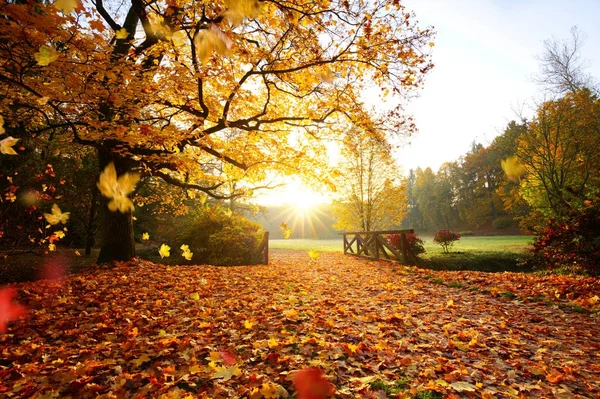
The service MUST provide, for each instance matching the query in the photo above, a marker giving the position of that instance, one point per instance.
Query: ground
(375, 329)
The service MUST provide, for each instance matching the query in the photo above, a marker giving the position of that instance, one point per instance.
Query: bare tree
(562, 69)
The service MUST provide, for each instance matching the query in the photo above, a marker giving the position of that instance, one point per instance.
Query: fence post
(404, 248)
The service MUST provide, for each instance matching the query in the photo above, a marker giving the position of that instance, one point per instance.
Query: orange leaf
(311, 384)
(555, 377)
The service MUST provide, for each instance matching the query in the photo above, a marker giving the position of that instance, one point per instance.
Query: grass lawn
(370, 329)
(487, 253)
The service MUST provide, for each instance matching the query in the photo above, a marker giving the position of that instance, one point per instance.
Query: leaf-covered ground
(375, 329)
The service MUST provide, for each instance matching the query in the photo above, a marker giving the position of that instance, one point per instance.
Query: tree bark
(89, 242)
(117, 242)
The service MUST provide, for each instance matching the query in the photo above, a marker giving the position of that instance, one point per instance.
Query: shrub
(502, 222)
(220, 239)
(446, 239)
(571, 244)
(414, 242)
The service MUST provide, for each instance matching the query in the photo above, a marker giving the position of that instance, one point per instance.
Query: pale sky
(485, 59)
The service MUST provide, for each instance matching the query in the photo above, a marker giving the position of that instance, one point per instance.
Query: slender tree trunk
(89, 242)
(117, 228)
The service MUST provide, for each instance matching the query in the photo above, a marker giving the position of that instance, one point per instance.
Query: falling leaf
(238, 10)
(145, 236)
(66, 6)
(211, 40)
(512, 168)
(195, 296)
(117, 190)
(7, 144)
(287, 232)
(179, 38)
(314, 255)
(311, 384)
(57, 216)
(121, 34)
(46, 55)
(9, 310)
(59, 234)
(77, 253)
(186, 252)
(51, 247)
(163, 251)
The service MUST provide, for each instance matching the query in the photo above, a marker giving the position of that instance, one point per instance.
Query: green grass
(487, 253)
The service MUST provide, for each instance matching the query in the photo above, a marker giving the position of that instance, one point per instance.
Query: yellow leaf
(66, 6)
(248, 324)
(51, 247)
(43, 100)
(226, 373)
(7, 144)
(195, 296)
(56, 216)
(77, 253)
(121, 34)
(2, 125)
(142, 359)
(513, 168)
(117, 190)
(145, 236)
(179, 38)
(461, 386)
(46, 55)
(164, 251)
(450, 303)
(314, 255)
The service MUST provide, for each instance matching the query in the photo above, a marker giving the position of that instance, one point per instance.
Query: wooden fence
(374, 245)
(262, 255)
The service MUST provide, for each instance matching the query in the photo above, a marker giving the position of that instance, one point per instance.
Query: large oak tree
(203, 93)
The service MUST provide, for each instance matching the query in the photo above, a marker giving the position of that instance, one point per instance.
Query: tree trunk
(89, 242)
(117, 243)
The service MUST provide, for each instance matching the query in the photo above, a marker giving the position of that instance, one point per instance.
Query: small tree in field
(446, 239)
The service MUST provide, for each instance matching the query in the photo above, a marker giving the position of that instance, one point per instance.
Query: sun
(296, 195)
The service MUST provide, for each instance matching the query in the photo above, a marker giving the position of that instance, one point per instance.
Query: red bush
(571, 244)
(412, 239)
(446, 239)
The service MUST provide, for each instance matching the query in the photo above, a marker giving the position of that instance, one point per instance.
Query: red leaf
(8, 310)
(228, 358)
(311, 384)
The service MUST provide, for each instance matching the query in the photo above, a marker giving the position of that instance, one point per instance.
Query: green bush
(221, 239)
(502, 222)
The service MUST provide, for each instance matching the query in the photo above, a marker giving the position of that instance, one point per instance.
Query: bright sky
(485, 58)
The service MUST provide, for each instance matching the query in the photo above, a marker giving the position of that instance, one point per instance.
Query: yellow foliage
(46, 55)
(117, 190)
(56, 216)
(66, 6)
(164, 251)
(512, 168)
(6, 145)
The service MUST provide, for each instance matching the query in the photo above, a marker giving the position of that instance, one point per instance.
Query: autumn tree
(559, 148)
(170, 89)
(372, 192)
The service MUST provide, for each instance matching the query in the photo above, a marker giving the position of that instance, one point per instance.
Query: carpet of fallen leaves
(225, 332)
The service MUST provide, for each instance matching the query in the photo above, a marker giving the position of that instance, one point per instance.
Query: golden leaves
(209, 40)
(512, 168)
(6, 145)
(57, 216)
(145, 236)
(164, 251)
(313, 254)
(187, 254)
(66, 6)
(238, 10)
(117, 190)
(46, 55)
(121, 34)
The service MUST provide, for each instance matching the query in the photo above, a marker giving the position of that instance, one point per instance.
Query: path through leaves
(373, 329)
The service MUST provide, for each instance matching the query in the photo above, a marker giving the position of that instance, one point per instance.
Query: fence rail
(374, 245)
